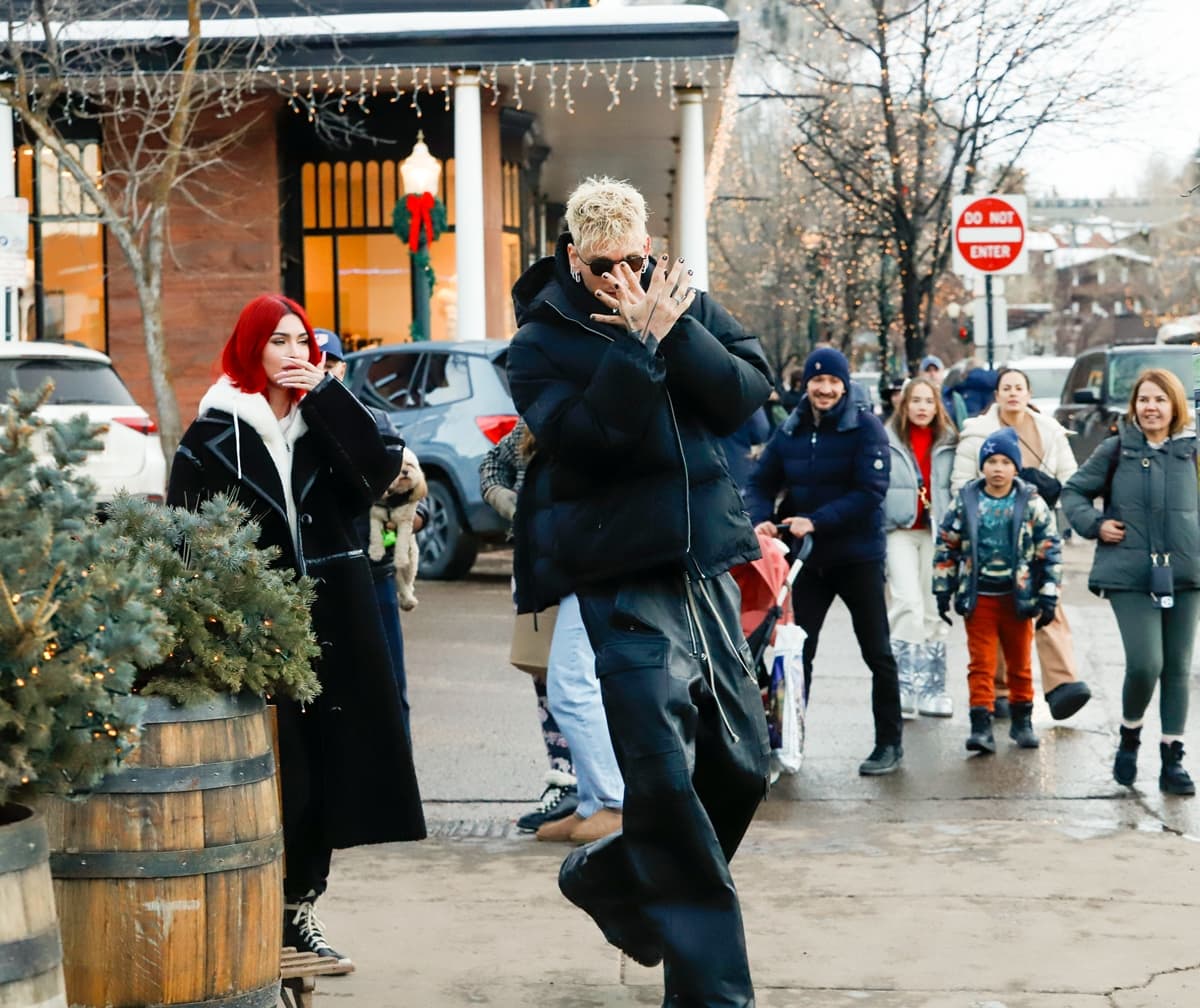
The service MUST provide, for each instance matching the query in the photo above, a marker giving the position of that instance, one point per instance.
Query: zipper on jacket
(567, 318)
(687, 488)
(706, 658)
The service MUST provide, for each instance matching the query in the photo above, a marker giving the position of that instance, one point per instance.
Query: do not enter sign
(989, 234)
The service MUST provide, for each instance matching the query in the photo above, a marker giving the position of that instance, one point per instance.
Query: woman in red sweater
(922, 439)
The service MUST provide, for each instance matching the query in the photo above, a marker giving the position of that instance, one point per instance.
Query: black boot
(1174, 779)
(1021, 729)
(1125, 765)
(981, 739)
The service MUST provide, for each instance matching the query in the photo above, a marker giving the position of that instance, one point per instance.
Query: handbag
(532, 633)
(1047, 486)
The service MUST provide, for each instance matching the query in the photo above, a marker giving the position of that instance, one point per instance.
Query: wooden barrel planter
(30, 953)
(168, 876)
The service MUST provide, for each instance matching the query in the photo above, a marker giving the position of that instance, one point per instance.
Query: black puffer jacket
(629, 434)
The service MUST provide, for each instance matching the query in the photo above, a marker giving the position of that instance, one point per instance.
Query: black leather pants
(687, 725)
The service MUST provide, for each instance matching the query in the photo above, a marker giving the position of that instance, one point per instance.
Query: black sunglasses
(601, 266)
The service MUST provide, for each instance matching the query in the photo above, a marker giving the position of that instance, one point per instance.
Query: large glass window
(65, 296)
(357, 272)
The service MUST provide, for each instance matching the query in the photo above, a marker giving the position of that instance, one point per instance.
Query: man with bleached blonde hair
(629, 377)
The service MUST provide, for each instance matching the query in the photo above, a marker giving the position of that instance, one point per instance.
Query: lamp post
(420, 172)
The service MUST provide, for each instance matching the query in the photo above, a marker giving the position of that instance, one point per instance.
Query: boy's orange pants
(992, 628)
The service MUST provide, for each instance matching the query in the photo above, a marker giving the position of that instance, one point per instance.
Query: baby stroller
(776, 646)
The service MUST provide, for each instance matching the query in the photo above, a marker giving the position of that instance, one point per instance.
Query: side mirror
(1086, 397)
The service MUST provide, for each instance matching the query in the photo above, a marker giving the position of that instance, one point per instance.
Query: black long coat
(345, 760)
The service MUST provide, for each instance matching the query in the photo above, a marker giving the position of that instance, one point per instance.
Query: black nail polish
(689, 272)
(681, 258)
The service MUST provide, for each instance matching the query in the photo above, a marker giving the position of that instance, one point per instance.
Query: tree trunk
(169, 424)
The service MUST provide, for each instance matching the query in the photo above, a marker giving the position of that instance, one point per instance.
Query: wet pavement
(1027, 878)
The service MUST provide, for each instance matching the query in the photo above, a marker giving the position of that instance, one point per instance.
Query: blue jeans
(389, 611)
(575, 702)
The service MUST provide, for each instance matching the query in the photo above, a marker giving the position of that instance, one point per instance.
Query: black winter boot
(1125, 765)
(1021, 729)
(1174, 779)
(981, 739)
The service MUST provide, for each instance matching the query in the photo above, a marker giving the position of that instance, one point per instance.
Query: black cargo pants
(686, 718)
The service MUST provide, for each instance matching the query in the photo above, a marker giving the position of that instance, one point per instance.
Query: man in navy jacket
(831, 462)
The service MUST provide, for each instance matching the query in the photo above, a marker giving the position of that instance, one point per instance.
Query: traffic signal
(966, 332)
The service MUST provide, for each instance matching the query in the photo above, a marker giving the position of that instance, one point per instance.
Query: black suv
(1097, 389)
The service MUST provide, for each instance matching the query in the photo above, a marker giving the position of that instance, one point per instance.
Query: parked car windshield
(76, 382)
(1124, 368)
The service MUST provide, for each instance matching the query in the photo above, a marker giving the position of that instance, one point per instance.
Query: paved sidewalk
(1023, 880)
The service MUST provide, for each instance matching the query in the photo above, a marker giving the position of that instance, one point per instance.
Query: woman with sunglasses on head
(628, 378)
(292, 445)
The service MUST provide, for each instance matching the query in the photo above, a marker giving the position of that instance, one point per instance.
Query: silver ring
(680, 300)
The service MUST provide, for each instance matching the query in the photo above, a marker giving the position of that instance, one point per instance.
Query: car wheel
(447, 549)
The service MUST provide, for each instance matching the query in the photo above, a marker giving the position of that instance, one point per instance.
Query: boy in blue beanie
(998, 553)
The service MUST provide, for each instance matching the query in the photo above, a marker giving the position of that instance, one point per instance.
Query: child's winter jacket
(1037, 566)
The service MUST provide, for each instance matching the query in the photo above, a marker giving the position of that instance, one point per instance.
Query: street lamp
(420, 172)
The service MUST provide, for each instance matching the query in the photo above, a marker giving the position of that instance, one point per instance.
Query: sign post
(989, 240)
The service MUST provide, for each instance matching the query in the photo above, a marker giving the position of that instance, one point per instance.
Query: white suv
(85, 382)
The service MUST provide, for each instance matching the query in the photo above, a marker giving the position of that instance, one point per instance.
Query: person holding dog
(383, 567)
(629, 377)
(305, 457)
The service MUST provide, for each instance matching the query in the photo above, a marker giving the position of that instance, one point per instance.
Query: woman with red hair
(305, 457)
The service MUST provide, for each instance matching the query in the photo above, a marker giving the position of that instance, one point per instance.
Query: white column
(468, 207)
(692, 226)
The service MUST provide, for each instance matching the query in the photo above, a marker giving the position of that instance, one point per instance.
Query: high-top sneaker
(981, 739)
(932, 698)
(305, 933)
(1125, 764)
(1174, 779)
(1021, 729)
(559, 800)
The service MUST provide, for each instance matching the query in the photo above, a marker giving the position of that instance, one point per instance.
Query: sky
(1161, 55)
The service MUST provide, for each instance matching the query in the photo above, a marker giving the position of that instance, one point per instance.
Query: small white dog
(394, 514)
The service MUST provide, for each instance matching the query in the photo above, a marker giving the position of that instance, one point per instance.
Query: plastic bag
(787, 701)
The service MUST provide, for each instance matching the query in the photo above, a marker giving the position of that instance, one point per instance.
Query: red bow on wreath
(420, 212)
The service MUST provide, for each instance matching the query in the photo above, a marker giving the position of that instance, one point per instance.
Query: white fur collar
(253, 409)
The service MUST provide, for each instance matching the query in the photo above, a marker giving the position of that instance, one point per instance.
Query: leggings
(1158, 648)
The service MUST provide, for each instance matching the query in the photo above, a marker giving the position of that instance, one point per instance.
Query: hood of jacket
(546, 291)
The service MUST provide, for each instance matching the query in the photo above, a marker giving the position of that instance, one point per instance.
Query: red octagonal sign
(989, 233)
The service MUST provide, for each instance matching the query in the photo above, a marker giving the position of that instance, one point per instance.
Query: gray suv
(451, 403)
(1099, 384)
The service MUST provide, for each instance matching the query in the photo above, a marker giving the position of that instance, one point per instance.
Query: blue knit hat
(827, 360)
(1002, 442)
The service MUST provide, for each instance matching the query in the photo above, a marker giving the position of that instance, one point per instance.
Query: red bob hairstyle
(242, 358)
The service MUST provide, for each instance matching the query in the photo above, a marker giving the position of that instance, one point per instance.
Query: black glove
(1046, 610)
(943, 604)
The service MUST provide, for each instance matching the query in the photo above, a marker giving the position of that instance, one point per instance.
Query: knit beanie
(1002, 442)
(827, 360)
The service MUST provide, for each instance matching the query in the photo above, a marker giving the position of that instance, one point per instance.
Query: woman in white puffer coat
(1046, 458)
(921, 440)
